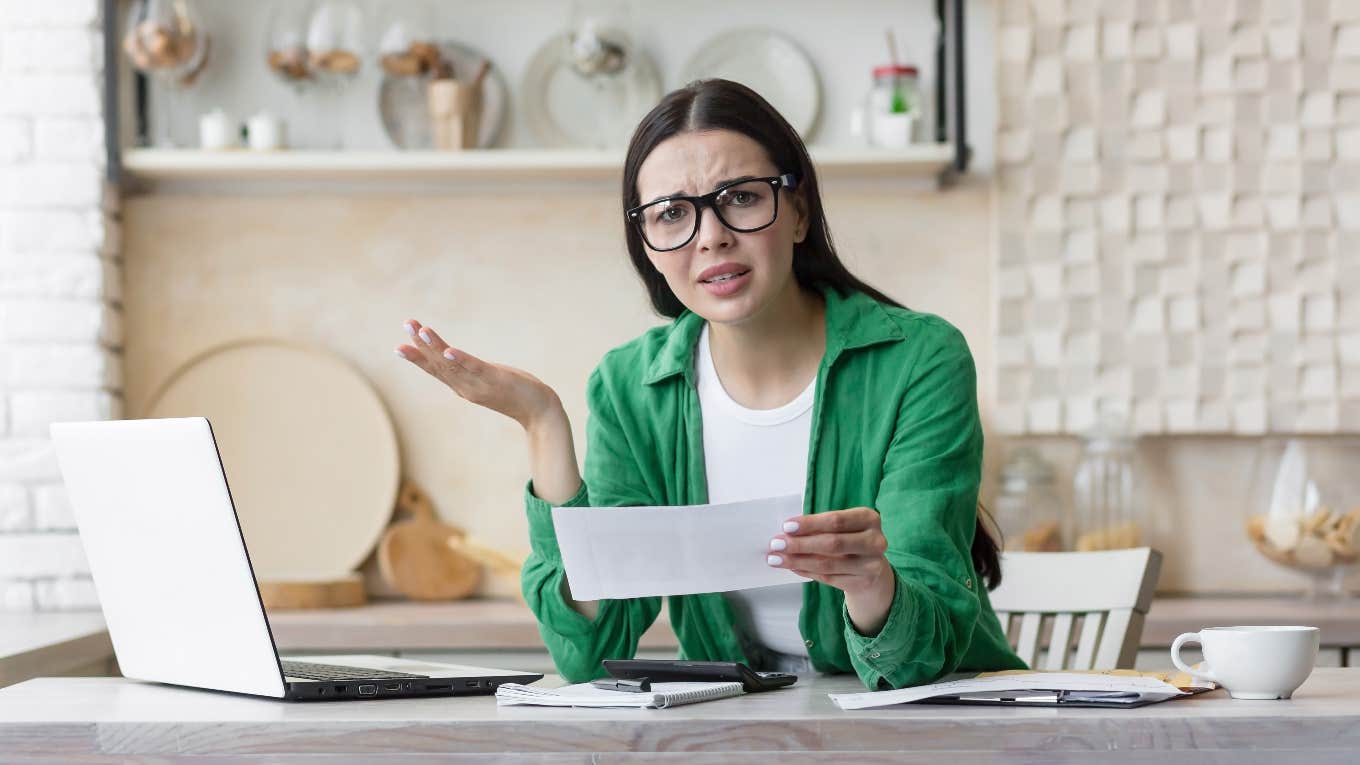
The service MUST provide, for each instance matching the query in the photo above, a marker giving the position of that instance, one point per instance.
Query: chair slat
(1059, 642)
(1113, 640)
(1028, 644)
(1091, 627)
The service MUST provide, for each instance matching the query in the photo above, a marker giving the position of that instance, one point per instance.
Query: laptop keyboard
(309, 671)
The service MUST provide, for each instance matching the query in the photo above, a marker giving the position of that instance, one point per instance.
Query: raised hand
(510, 391)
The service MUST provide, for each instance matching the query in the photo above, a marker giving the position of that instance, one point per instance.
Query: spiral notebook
(661, 696)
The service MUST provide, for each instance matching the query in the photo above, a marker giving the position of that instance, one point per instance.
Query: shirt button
(968, 583)
(874, 655)
(807, 643)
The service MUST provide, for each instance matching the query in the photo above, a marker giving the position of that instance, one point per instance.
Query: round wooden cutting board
(309, 451)
(346, 592)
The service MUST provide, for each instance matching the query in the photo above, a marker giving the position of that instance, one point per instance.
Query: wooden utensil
(504, 568)
(415, 557)
(344, 592)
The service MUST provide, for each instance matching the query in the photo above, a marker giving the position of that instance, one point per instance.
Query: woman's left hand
(843, 549)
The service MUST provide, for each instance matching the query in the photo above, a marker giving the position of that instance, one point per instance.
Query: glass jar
(1304, 509)
(1105, 515)
(166, 40)
(1028, 509)
(893, 106)
(406, 41)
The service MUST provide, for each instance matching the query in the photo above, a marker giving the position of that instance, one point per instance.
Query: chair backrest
(1043, 594)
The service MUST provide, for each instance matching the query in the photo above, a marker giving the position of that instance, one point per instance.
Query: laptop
(175, 581)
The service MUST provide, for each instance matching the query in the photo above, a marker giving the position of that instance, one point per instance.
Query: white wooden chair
(1043, 595)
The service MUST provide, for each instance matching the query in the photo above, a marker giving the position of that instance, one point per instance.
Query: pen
(639, 685)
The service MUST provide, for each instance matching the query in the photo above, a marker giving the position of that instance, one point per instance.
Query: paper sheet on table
(629, 552)
(1145, 687)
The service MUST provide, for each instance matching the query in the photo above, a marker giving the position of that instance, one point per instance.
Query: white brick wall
(61, 331)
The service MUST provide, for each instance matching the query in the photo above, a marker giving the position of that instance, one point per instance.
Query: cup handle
(1189, 637)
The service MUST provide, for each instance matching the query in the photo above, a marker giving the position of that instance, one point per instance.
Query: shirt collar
(855, 320)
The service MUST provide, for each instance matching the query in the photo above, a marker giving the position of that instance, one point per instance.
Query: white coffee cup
(1253, 662)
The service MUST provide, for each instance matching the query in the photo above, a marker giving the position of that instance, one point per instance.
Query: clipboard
(1068, 699)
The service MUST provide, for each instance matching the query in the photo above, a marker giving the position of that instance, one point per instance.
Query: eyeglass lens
(743, 207)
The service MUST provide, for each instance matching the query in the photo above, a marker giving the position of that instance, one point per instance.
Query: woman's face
(693, 164)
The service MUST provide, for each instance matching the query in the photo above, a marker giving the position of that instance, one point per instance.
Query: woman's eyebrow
(717, 185)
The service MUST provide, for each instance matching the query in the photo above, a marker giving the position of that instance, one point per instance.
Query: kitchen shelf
(158, 165)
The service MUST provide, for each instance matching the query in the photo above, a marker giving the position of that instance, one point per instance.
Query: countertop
(51, 720)
(34, 645)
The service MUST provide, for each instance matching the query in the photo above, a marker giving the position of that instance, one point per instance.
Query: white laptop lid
(166, 553)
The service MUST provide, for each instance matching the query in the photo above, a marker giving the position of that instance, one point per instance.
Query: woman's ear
(800, 230)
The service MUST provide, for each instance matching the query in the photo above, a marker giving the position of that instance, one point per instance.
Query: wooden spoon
(414, 555)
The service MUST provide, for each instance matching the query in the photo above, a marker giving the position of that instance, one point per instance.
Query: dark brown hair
(725, 105)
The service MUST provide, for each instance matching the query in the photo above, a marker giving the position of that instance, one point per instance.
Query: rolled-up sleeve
(927, 500)
(611, 479)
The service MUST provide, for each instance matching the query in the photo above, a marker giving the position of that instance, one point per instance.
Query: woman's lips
(727, 285)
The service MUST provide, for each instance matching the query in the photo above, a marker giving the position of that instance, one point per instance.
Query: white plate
(564, 108)
(406, 118)
(768, 63)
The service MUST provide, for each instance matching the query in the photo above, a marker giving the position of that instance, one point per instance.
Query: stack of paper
(661, 696)
(1022, 687)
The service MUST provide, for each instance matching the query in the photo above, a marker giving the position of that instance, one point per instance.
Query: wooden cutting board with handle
(415, 556)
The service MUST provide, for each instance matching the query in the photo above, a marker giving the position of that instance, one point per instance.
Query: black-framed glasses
(744, 205)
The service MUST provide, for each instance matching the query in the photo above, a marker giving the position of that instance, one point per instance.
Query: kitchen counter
(34, 645)
(406, 625)
(509, 624)
(38, 644)
(96, 720)
(1338, 622)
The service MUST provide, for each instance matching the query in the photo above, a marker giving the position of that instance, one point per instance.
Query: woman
(781, 374)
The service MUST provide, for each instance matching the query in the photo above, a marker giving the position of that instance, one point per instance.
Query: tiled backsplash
(1179, 215)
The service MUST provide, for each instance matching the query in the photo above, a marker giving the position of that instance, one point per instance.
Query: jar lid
(894, 70)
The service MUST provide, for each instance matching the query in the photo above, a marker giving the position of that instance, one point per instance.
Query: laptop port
(368, 690)
(474, 683)
(339, 689)
(391, 686)
(321, 691)
(439, 687)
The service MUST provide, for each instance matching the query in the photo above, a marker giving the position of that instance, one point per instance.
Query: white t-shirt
(751, 454)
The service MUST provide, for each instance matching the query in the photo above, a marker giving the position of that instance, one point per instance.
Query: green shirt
(895, 427)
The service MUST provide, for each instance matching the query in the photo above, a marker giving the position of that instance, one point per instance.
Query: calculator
(680, 671)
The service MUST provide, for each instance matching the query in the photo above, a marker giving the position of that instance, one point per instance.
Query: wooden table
(98, 720)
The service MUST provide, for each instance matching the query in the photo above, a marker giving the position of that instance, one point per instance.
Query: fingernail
(449, 355)
(778, 544)
(791, 526)
(425, 336)
(774, 560)
(399, 353)
(410, 329)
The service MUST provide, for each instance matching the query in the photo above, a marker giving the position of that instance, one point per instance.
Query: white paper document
(661, 696)
(1032, 686)
(630, 552)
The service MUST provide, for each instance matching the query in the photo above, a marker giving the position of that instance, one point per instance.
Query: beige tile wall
(1179, 213)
